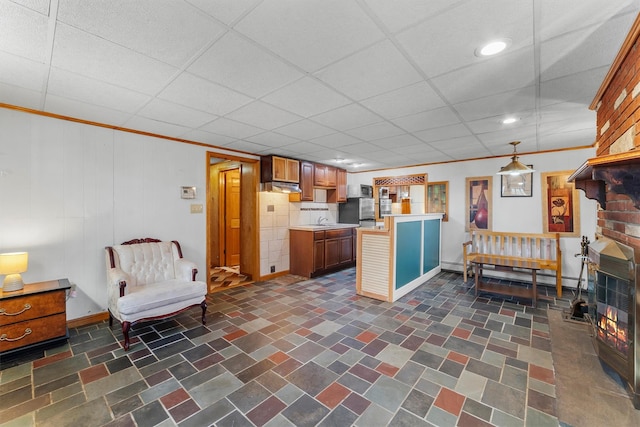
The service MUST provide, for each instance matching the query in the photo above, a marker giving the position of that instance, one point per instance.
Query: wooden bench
(541, 248)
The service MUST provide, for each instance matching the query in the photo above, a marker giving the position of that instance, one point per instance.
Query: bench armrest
(185, 270)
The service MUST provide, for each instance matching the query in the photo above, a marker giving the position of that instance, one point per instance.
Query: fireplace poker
(578, 304)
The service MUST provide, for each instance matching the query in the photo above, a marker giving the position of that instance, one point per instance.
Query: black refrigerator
(357, 210)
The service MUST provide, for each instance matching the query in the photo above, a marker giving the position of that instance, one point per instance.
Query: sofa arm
(119, 279)
(186, 270)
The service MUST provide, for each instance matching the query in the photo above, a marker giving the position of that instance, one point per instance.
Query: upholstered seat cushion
(143, 298)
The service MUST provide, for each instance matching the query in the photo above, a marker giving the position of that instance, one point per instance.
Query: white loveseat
(148, 279)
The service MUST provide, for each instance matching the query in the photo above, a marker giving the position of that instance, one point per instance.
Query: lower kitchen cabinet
(316, 252)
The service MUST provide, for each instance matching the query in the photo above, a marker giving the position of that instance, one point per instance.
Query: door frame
(249, 220)
(222, 223)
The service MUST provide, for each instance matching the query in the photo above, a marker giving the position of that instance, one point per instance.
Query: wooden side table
(33, 316)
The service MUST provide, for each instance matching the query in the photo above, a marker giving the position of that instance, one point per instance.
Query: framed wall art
(516, 185)
(478, 203)
(438, 198)
(560, 204)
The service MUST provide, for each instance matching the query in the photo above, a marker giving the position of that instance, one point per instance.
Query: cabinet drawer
(318, 235)
(32, 331)
(334, 234)
(19, 309)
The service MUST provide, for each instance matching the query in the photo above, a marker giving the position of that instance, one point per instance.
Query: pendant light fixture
(515, 167)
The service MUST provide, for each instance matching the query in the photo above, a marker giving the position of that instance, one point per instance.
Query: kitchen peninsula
(319, 249)
(394, 260)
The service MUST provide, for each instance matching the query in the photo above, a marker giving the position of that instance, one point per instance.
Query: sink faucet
(321, 219)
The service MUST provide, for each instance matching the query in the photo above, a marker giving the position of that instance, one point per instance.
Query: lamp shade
(515, 167)
(12, 264)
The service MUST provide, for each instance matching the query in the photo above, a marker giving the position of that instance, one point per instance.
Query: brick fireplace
(613, 179)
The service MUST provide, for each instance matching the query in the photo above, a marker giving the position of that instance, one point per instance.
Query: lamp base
(12, 282)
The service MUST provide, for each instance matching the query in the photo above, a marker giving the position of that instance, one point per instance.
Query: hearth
(614, 307)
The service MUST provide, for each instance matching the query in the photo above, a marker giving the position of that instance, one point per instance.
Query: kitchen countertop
(316, 227)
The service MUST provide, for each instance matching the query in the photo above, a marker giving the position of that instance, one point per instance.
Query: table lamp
(12, 264)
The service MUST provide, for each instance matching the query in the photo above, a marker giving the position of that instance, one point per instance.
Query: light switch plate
(196, 208)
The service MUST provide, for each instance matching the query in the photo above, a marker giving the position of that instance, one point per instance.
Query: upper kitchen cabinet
(306, 181)
(324, 176)
(339, 195)
(275, 168)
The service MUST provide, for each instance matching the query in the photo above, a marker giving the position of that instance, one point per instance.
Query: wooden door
(231, 217)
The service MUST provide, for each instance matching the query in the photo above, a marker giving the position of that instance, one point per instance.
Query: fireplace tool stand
(579, 306)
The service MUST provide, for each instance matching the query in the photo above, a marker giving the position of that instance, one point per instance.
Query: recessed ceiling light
(509, 120)
(339, 160)
(493, 47)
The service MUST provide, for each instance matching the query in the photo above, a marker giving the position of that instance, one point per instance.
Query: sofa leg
(125, 331)
(203, 304)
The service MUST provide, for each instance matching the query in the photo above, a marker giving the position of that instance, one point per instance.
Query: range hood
(281, 187)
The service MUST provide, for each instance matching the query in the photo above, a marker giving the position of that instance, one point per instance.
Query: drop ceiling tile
(427, 120)
(306, 97)
(242, 65)
(503, 73)
(40, 6)
(576, 138)
(498, 142)
(347, 117)
(22, 72)
(304, 148)
(498, 105)
(453, 36)
(454, 143)
(263, 115)
(567, 112)
(583, 50)
(404, 101)
(420, 149)
(443, 133)
(231, 128)
(195, 92)
(411, 12)
(310, 34)
(335, 140)
(271, 139)
(305, 130)
(208, 138)
(248, 146)
(20, 96)
(376, 131)
(91, 91)
(155, 126)
(375, 70)
(80, 110)
(23, 32)
(559, 18)
(403, 140)
(359, 148)
(99, 59)
(159, 31)
(224, 10)
(164, 111)
(580, 88)
(494, 124)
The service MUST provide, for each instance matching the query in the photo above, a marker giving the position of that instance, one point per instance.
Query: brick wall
(618, 121)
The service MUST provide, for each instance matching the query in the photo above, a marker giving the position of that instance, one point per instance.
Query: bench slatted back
(533, 246)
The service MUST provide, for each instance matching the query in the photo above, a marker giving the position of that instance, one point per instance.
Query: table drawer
(23, 308)
(32, 331)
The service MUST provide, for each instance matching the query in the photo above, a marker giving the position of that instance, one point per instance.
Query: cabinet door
(346, 249)
(320, 176)
(318, 255)
(341, 185)
(331, 252)
(279, 166)
(306, 181)
(292, 170)
(331, 176)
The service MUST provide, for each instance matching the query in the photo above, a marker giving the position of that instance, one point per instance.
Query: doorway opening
(232, 249)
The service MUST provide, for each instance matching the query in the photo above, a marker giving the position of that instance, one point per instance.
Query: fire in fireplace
(614, 310)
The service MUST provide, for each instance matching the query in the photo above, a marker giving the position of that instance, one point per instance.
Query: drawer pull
(4, 312)
(4, 337)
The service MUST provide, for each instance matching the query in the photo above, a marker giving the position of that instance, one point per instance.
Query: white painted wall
(509, 213)
(69, 189)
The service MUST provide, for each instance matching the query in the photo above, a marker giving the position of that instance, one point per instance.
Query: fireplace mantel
(621, 172)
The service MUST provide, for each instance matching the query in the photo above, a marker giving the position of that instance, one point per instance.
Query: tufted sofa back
(147, 263)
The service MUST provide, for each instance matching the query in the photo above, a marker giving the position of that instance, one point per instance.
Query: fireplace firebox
(614, 307)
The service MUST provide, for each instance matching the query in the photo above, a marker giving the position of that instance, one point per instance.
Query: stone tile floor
(302, 354)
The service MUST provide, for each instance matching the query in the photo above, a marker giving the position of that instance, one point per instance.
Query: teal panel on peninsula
(408, 241)
(431, 255)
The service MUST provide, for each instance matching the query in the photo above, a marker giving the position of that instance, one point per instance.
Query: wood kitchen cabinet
(275, 168)
(339, 195)
(313, 253)
(324, 176)
(34, 315)
(306, 181)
